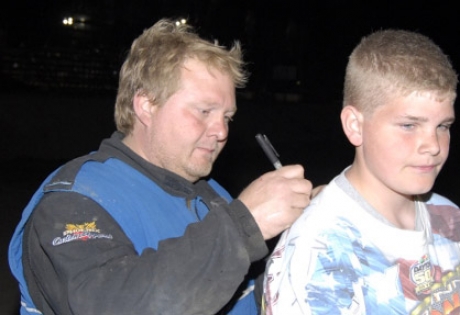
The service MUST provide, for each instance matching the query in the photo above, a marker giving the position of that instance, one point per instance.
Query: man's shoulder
(64, 176)
(220, 189)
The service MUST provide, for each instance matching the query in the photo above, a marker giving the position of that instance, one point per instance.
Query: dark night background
(58, 84)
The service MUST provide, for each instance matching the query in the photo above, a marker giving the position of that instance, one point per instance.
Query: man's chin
(200, 172)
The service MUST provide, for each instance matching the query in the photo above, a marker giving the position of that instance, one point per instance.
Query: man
(134, 228)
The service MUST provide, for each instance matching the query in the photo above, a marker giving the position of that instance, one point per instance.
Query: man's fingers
(291, 171)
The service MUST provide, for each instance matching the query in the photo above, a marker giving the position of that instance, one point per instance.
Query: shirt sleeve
(96, 270)
(330, 283)
(314, 275)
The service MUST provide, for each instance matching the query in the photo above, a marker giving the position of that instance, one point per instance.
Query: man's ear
(142, 108)
(352, 124)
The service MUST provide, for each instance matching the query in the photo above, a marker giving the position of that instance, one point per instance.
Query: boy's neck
(398, 209)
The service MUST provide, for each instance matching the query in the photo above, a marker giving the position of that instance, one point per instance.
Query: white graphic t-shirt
(342, 257)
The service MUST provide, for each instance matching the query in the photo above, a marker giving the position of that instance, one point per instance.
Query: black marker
(269, 150)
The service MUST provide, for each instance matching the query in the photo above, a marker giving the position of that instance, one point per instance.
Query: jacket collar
(168, 181)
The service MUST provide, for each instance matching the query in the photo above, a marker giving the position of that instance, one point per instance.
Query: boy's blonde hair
(153, 66)
(393, 63)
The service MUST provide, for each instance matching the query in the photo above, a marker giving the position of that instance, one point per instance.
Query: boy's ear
(142, 108)
(352, 122)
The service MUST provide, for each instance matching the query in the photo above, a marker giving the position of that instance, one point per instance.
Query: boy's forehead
(393, 95)
(437, 95)
(418, 99)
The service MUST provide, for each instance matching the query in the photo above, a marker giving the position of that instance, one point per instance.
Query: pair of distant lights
(67, 21)
(181, 21)
(75, 20)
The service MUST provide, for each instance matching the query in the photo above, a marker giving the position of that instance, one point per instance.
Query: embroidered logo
(421, 274)
(81, 232)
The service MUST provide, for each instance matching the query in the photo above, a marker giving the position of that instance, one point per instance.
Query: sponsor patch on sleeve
(80, 232)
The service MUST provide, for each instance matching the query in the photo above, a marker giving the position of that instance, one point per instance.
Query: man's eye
(408, 126)
(445, 127)
(228, 119)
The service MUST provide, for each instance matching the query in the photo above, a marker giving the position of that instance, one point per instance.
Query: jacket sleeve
(96, 269)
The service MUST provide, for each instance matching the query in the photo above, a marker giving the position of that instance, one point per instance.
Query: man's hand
(276, 199)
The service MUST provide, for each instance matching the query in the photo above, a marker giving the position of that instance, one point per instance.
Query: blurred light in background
(181, 21)
(77, 21)
(67, 21)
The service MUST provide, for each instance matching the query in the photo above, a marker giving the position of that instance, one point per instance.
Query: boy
(375, 241)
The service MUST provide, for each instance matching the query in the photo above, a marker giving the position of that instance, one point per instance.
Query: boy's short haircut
(153, 66)
(393, 63)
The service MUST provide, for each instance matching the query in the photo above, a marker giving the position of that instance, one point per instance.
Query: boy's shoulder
(438, 200)
(330, 206)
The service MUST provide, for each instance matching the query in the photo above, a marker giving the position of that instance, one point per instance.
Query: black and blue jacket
(110, 233)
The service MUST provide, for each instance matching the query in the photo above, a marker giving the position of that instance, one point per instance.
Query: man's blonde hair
(153, 66)
(391, 63)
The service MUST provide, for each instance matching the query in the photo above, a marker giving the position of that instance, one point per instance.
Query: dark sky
(314, 37)
(313, 25)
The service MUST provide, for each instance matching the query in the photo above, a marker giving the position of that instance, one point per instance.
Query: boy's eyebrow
(413, 118)
(450, 119)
